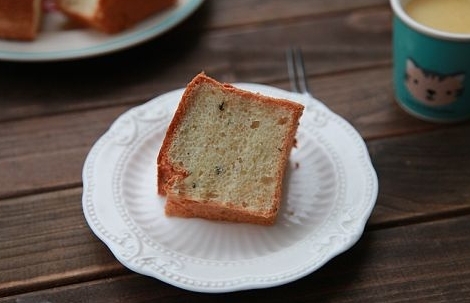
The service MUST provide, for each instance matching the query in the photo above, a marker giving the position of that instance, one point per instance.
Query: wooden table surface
(416, 244)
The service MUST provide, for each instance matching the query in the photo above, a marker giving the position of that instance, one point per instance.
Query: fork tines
(296, 70)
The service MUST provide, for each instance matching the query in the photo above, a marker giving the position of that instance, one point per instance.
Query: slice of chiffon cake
(225, 153)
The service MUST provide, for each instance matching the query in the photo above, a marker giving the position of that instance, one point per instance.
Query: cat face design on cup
(432, 88)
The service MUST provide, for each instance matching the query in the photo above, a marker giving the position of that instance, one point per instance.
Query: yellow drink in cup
(451, 16)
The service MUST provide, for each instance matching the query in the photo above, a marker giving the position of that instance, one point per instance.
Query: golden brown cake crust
(169, 173)
(112, 16)
(187, 208)
(17, 19)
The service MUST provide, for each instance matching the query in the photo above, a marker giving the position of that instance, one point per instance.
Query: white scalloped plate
(57, 42)
(329, 192)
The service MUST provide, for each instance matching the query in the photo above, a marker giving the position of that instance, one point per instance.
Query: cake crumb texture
(225, 153)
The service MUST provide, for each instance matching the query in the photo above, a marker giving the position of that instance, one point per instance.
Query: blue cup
(431, 69)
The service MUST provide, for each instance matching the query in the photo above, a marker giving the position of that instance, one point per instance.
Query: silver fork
(296, 71)
(299, 84)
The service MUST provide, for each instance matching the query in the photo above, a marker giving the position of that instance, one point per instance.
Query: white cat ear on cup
(410, 64)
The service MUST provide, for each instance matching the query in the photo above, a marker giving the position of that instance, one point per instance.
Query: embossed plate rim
(106, 215)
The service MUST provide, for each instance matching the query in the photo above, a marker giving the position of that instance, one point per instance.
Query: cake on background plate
(20, 19)
(112, 16)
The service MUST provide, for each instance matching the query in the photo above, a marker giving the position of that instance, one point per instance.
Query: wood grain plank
(44, 240)
(47, 153)
(426, 262)
(249, 12)
(351, 40)
(422, 173)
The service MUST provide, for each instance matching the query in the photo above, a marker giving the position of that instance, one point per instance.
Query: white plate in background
(57, 42)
